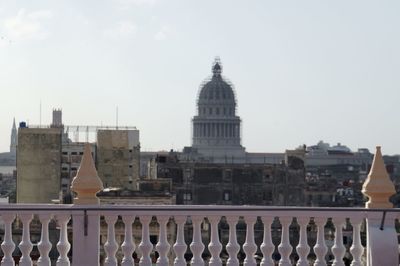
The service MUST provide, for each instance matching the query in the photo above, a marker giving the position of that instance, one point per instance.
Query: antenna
(40, 113)
(117, 117)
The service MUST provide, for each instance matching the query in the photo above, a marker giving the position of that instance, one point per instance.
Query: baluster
(197, 245)
(267, 247)
(8, 245)
(128, 247)
(163, 246)
(145, 245)
(215, 245)
(320, 247)
(302, 248)
(233, 247)
(284, 247)
(25, 246)
(249, 246)
(44, 246)
(111, 246)
(63, 245)
(338, 248)
(356, 249)
(180, 245)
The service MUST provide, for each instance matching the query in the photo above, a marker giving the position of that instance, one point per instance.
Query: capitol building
(216, 128)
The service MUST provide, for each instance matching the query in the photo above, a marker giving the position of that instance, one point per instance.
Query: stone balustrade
(204, 235)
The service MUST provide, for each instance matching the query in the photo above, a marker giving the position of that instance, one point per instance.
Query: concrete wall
(118, 153)
(38, 165)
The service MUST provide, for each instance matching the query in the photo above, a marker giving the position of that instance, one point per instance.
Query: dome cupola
(216, 96)
(216, 128)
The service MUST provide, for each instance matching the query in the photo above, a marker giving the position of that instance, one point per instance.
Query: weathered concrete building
(232, 184)
(48, 160)
(334, 174)
(118, 161)
(38, 164)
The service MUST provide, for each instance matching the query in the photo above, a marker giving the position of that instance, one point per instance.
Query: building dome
(216, 96)
(216, 128)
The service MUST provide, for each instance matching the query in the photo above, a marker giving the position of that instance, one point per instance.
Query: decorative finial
(378, 187)
(86, 183)
(217, 66)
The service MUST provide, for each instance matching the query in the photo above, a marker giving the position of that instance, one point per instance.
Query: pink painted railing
(190, 224)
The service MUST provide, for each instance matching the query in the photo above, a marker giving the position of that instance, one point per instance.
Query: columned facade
(216, 128)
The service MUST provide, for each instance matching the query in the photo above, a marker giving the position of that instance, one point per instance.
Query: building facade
(47, 160)
(199, 183)
(118, 160)
(216, 127)
(38, 165)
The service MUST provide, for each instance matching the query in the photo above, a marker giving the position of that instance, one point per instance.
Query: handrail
(71, 207)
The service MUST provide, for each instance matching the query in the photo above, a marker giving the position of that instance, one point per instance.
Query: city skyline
(302, 72)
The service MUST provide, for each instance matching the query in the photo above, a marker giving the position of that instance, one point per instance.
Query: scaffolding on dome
(225, 79)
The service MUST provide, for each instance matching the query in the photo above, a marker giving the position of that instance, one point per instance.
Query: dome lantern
(217, 68)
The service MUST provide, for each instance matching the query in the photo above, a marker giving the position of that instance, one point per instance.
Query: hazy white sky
(302, 70)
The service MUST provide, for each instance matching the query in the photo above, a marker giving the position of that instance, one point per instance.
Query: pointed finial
(217, 66)
(378, 187)
(14, 123)
(86, 183)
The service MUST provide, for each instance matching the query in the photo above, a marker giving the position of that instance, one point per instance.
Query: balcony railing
(197, 234)
(204, 235)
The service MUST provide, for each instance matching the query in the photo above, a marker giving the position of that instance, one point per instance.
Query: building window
(267, 196)
(227, 195)
(188, 173)
(74, 153)
(210, 111)
(217, 111)
(228, 173)
(65, 153)
(187, 196)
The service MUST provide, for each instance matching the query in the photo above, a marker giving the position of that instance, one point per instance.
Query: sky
(303, 71)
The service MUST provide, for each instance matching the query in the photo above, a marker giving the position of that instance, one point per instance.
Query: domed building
(216, 127)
